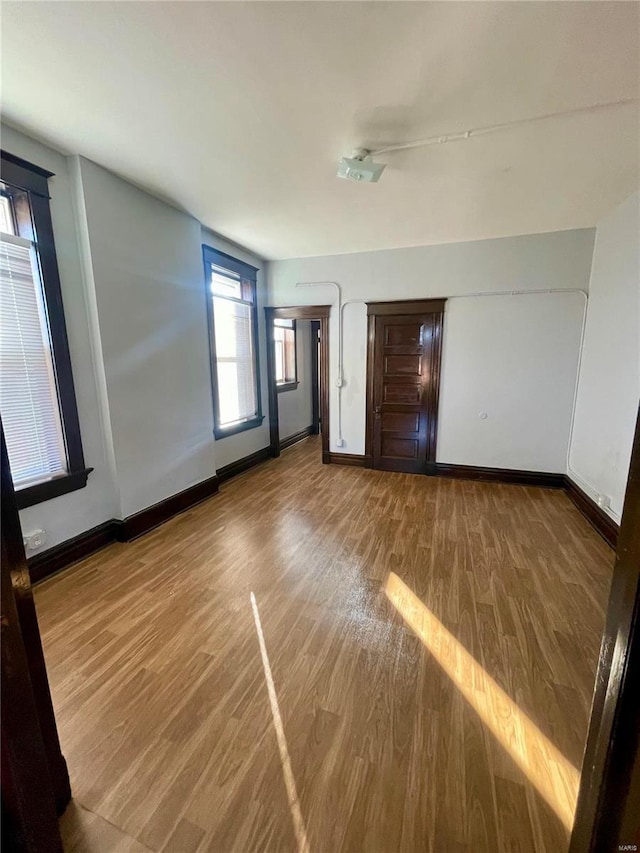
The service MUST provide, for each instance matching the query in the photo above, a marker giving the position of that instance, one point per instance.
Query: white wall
(147, 269)
(609, 384)
(74, 513)
(496, 349)
(234, 447)
(295, 407)
(135, 306)
(513, 358)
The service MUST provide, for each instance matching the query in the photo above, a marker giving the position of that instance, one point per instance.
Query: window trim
(281, 387)
(249, 273)
(26, 177)
(287, 386)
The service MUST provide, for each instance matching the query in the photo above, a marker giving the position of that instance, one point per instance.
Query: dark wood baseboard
(599, 519)
(357, 460)
(296, 437)
(60, 556)
(241, 465)
(500, 475)
(153, 516)
(124, 530)
(116, 530)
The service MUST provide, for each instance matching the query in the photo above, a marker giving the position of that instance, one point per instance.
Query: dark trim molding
(26, 186)
(153, 516)
(356, 460)
(599, 519)
(499, 475)
(607, 808)
(24, 175)
(302, 312)
(118, 530)
(234, 264)
(286, 386)
(49, 489)
(35, 781)
(220, 433)
(296, 437)
(370, 381)
(248, 275)
(315, 371)
(60, 556)
(241, 465)
(411, 306)
(603, 523)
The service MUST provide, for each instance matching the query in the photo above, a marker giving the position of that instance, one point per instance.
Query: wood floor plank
(161, 693)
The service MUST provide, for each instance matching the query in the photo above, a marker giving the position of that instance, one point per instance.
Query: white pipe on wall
(340, 377)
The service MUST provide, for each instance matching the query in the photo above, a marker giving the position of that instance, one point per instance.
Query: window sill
(287, 386)
(41, 492)
(245, 425)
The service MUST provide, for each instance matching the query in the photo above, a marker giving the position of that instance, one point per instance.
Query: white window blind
(28, 393)
(6, 219)
(235, 356)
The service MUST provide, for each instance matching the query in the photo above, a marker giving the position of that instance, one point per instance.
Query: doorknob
(378, 410)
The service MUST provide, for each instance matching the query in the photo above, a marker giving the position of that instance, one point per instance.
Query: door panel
(399, 448)
(402, 365)
(402, 335)
(401, 393)
(405, 422)
(406, 365)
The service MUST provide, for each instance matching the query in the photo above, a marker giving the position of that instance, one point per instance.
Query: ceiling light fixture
(360, 167)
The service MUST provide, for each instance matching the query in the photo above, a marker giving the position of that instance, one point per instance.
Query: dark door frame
(299, 312)
(35, 781)
(608, 808)
(315, 384)
(413, 306)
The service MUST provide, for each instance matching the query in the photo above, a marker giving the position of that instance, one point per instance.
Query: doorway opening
(298, 375)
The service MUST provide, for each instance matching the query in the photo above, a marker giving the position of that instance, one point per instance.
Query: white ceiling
(238, 112)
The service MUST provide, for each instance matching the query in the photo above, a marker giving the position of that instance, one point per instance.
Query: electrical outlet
(339, 442)
(35, 539)
(604, 501)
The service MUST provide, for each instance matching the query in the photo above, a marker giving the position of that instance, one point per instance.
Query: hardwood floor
(347, 711)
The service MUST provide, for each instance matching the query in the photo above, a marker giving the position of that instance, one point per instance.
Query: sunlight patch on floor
(287, 772)
(553, 776)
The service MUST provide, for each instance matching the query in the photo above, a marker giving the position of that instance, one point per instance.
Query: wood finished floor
(161, 696)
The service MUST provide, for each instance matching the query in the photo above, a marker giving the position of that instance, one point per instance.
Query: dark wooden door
(35, 782)
(404, 398)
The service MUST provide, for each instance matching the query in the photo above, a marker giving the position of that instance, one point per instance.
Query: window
(37, 397)
(233, 334)
(284, 335)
